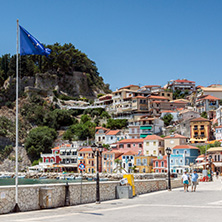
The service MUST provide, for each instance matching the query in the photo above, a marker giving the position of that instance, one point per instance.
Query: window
(154, 152)
(107, 156)
(154, 143)
(128, 145)
(185, 151)
(138, 162)
(156, 163)
(177, 151)
(51, 160)
(89, 170)
(181, 161)
(162, 171)
(171, 161)
(144, 170)
(123, 157)
(46, 160)
(111, 137)
(147, 152)
(162, 164)
(215, 157)
(140, 145)
(218, 157)
(144, 162)
(134, 144)
(147, 143)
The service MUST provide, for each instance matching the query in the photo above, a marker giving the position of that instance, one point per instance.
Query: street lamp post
(168, 152)
(210, 162)
(97, 150)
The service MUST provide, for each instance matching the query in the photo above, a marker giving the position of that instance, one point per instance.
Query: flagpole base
(16, 208)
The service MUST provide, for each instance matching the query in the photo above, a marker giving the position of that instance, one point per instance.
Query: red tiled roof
(131, 141)
(55, 148)
(209, 97)
(200, 119)
(130, 153)
(175, 136)
(185, 147)
(164, 158)
(184, 80)
(112, 132)
(158, 97)
(126, 87)
(86, 150)
(178, 101)
(153, 137)
(100, 127)
(168, 111)
(150, 86)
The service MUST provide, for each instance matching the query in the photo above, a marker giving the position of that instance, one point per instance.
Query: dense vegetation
(39, 140)
(203, 149)
(167, 119)
(64, 59)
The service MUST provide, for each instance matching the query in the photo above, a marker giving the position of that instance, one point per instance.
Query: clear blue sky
(132, 41)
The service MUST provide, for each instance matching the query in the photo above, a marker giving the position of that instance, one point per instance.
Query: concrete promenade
(203, 205)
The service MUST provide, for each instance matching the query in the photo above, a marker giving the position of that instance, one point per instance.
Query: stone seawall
(35, 197)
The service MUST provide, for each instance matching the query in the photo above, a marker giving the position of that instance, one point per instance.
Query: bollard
(67, 195)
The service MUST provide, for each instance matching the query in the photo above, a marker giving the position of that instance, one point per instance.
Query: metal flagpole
(16, 208)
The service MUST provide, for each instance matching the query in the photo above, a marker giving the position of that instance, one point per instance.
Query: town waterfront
(11, 181)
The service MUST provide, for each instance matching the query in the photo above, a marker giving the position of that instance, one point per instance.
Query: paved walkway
(203, 205)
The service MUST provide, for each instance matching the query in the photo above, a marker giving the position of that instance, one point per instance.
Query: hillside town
(181, 115)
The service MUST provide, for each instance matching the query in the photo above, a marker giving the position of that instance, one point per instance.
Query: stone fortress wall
(35, 197)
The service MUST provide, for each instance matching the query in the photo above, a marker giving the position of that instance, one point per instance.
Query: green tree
(204, 114)
(39, 140)
(84, 119)
(117, 123)
(167, 119)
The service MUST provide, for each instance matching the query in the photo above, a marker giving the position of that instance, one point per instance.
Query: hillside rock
(9, 163)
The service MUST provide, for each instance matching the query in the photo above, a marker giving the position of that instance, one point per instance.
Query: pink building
(135, 145)
(160, 164)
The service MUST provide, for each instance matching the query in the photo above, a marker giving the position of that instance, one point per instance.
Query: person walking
(217, 174)
(185, 180)
(194, 180)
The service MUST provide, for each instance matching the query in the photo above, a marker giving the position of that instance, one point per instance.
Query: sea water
(11, 181)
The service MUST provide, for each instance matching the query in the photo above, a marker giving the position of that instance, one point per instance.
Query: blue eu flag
(29, 45)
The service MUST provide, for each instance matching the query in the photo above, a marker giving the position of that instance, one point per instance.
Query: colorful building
(135, 145)
(160, 164)
(143, 164)
(199, 130)
(182, 157)
(153, 145)
(174, 140)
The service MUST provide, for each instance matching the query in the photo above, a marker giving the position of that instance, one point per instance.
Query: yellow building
(199, 130)
(86, 156)
(144, 164)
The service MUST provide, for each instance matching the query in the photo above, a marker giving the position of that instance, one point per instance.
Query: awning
(146, 127)
(73, 150)
(217, 164)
